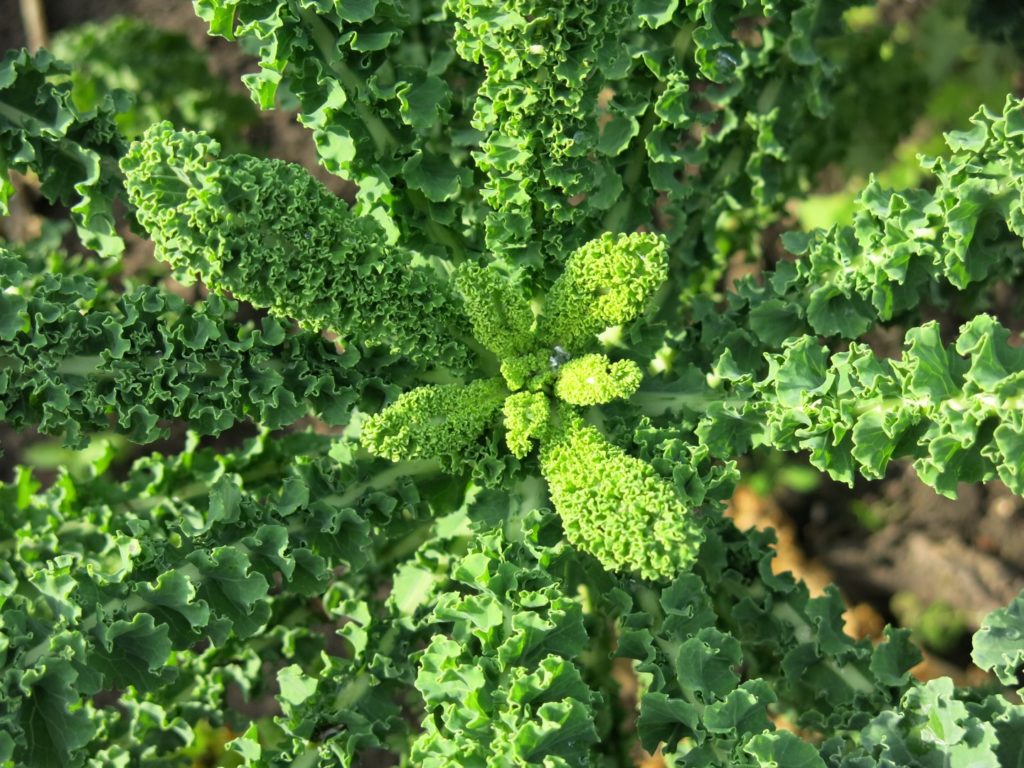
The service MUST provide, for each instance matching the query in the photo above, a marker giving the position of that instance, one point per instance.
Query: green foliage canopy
(527, 420)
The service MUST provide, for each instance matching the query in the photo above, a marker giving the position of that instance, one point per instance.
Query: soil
(967, 551)
(876, 540)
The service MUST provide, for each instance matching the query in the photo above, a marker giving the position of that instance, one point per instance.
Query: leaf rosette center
(612, 505)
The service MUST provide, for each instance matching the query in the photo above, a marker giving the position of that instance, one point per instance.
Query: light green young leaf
(999, 643)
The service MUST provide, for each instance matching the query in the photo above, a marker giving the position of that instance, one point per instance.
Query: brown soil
(897, 535)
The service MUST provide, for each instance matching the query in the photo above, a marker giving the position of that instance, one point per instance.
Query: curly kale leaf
(902, 242)
(617, 507)
(271, 234)
(953, 409)
(503, 685)
(77, 357)
(607, 281)
(999, 644)
(442, 422)
(73, 152)
(158, 586)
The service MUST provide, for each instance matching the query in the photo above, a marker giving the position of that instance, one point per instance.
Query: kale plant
(498, 402)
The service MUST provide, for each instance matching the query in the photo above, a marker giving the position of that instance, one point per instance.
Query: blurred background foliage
(164, 76)
(922, 68)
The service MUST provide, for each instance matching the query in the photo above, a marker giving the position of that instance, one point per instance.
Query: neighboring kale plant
(161, 73)
(497, 402)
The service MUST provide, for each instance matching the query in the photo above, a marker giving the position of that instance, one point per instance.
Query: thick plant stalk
(33, 19)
